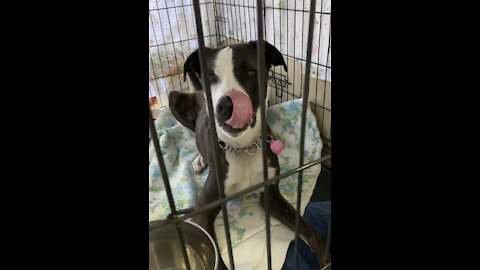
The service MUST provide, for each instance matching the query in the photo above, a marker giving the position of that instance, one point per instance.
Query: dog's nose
(224, 108)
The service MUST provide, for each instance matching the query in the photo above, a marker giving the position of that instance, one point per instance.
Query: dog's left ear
(272, 56)
(185, 107)
(191, 67)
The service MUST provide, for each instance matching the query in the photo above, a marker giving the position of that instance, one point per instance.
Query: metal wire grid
(232, 21)
(279, 81)
(171, 43)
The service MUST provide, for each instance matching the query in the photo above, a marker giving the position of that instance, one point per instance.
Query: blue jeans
(317, 214)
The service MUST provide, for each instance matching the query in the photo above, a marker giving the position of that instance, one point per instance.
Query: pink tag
(276, 146)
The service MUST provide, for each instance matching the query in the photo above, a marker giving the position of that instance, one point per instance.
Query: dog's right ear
(185, 107)
(273, 57)
(192, 69)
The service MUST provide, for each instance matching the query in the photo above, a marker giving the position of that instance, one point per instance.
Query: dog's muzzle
(235, 109)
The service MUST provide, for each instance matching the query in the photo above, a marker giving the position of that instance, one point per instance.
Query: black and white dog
(232, 72)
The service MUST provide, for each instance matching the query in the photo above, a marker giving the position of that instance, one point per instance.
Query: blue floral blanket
(246, 217)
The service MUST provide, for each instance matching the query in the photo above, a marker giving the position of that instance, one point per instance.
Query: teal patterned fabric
(245, 214)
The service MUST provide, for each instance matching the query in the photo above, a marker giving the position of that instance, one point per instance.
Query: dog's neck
(250, 150)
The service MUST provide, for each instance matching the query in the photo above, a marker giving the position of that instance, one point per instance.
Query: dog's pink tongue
(242, 109)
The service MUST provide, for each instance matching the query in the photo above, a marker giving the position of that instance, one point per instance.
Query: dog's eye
(212, 76)
(252, 73)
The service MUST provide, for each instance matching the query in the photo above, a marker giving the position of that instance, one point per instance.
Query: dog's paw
(199, 164)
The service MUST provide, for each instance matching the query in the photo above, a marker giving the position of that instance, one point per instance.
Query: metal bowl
(165, 249)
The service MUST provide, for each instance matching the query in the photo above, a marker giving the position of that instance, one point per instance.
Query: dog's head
(232, 72)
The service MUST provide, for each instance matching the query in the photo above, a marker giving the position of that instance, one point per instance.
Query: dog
(232, 72)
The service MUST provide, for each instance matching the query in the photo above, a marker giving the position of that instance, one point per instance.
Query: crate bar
(175, 6)
(294, 49)
(262, 87)
(326, 76)
(174, 51)
(231, 26)
(318, 59)
(182, 244)
(158, 50)
(224, 14)
(217, 27)
(306, 88)
(154, 77)
(213, 133)
(161, 163)
(180, 42)
(279, 8)
(173, 42)
(166, 183)
(233, 12)
(247, 30)
(241, 29)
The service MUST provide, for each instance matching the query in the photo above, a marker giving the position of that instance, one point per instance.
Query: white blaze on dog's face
(226, 89)
(232, 72)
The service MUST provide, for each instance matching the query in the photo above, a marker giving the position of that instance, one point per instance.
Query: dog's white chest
(244, 171)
